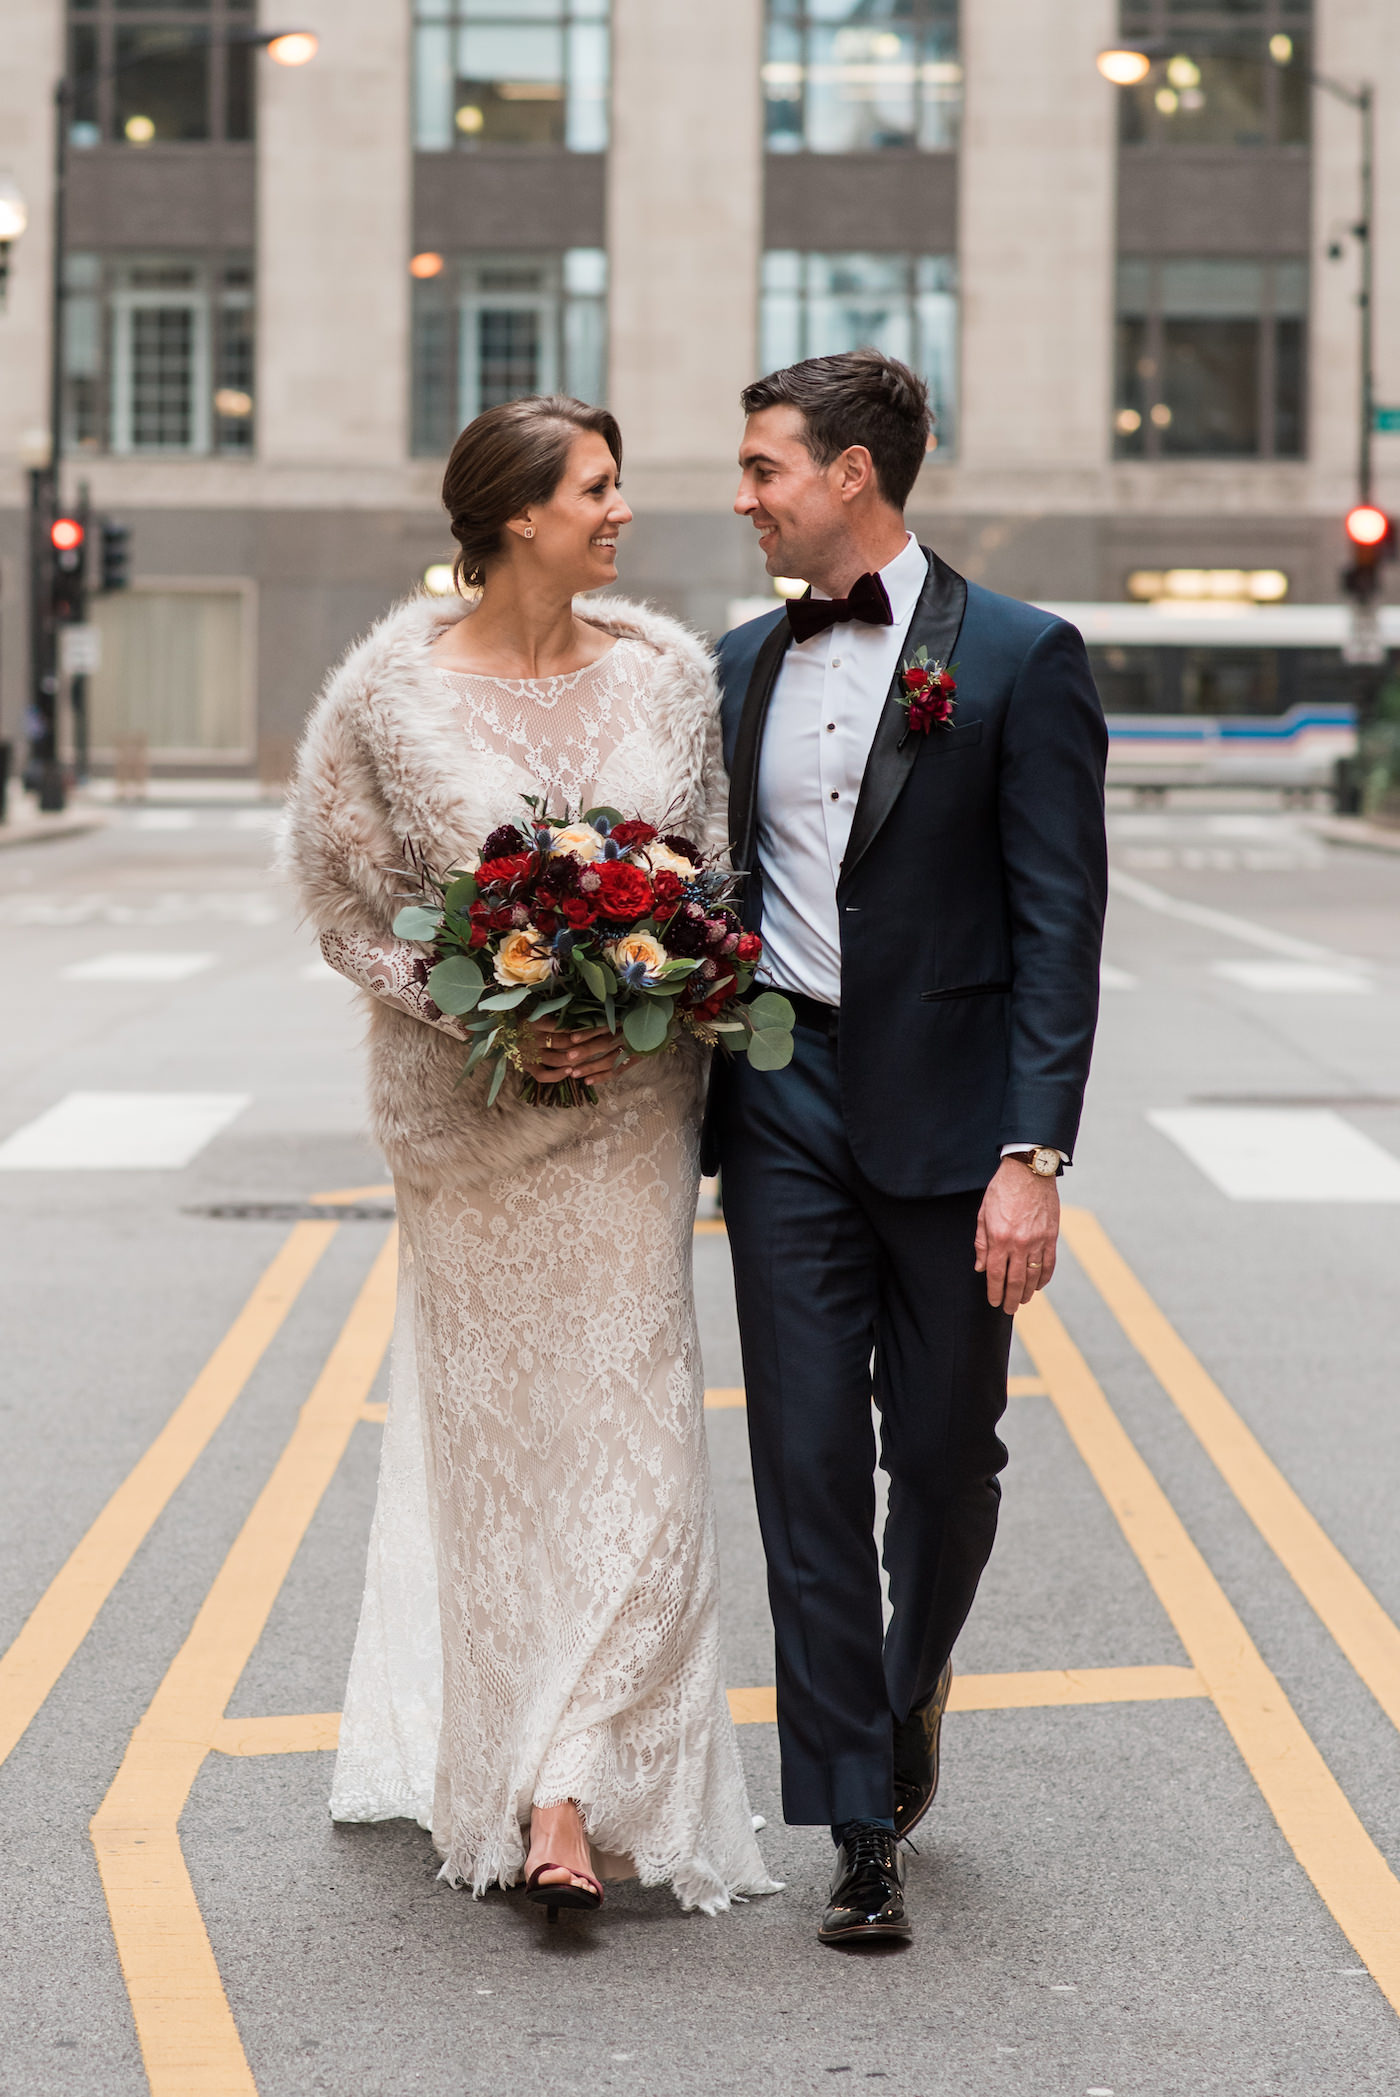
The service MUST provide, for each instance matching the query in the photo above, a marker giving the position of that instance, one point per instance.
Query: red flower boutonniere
(926, 694)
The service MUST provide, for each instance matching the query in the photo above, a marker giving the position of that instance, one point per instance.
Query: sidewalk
(24, 825)
(1355, 830)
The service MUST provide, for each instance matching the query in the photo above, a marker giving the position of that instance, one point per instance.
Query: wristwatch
(1044, 1162)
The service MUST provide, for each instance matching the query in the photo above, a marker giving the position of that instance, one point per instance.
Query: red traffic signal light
(1367, 526)
(66, 534)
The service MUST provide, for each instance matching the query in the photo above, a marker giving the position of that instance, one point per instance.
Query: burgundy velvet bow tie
(867, 602)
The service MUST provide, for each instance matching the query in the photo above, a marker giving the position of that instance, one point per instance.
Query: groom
(931, 894)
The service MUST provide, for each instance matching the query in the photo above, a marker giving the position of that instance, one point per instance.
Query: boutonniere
(926, 692)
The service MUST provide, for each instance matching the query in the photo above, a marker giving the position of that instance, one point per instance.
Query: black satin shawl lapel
(748, 747)
(936, 623)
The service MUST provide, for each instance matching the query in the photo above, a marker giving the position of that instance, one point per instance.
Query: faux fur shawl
(383, 759)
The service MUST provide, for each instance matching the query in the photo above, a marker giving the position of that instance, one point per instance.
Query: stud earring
(529, 532)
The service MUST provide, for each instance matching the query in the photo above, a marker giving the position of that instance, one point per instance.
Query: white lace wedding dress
(540, 1619)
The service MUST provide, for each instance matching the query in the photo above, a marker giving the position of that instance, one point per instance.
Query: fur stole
(382, 759)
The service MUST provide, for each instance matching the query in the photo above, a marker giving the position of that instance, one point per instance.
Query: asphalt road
(1166, 1854)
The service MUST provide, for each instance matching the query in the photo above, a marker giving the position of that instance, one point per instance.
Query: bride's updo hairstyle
(508, 460)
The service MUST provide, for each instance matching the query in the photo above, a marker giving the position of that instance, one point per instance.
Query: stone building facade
(286, 288)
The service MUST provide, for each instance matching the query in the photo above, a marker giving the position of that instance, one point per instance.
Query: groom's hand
(1017, 1228)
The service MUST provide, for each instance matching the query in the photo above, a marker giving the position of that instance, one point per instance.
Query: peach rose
(580, 838)
(638, 946)
(519, 958)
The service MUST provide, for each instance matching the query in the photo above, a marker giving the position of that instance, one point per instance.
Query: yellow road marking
(69, 1606)
(1351, 1613)
(709, 1226)
(188, 2038)
(344, 1194)
(378, 1412)
(1019, 1692)
(1074, 1685)
(306, 1733)
(1026, 1387)
(719, 1398)
(1301, 1792)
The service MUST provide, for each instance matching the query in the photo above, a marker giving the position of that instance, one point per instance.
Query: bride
(536, 1674)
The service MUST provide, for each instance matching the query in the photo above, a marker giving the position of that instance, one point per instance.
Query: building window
(853, 76)
(158, 355)
(906, 305)
(489, 328)
(176, 81)
(493, 73)
(1232, 74)
(1211, 358)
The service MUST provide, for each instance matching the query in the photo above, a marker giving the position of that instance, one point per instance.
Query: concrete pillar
(334, 202)
(1356, 40)
(1036, 237)
(33, 61)
(685, 213)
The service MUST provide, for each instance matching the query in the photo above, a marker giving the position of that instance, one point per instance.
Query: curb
(1355, 830)
(39, 830)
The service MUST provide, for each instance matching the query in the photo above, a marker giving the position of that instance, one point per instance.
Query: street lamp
(288, 47)
(1128, 65)
(14, 217)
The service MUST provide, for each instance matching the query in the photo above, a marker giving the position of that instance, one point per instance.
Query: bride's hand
(590, 1057)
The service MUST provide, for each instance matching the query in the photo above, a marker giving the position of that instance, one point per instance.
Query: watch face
(1046, 1163)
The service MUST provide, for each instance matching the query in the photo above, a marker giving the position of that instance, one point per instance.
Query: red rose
(480, 935)
(508, 869)
(916, 679)
(750, 947)
(577, 911)
(624, 892)
(668, 889)
(634, 832)
(720, 992)
(503, 920)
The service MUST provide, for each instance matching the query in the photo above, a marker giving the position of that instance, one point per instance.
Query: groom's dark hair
(860, 397)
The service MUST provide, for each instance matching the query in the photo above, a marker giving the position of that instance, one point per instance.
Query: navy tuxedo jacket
(971, 899)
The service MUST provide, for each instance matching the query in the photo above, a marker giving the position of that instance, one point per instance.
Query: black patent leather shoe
(916, 1744)
(866, 1904)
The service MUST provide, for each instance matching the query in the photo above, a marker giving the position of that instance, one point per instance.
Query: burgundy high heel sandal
(553, 1898)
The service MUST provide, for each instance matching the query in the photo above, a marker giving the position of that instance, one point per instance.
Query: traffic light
(116, 554)
(1372, 537)
(66, 537)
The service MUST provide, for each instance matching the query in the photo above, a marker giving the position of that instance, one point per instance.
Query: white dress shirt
(821, 722)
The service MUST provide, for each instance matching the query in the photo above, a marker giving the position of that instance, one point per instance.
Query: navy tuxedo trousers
(832, 1276)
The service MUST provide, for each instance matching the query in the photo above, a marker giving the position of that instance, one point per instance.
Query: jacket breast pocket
(961, 736)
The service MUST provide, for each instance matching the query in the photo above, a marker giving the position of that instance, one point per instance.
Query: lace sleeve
(395, 971)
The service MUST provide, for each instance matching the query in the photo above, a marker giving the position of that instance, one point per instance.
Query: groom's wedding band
(1033, 1263)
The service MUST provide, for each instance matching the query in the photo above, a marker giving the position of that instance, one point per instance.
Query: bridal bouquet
(591, 921)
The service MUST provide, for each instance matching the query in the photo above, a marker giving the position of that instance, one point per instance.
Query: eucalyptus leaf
(645, 1027)
(610, 1012)
(455, 985)
(770, 1050)
(506, 1000)
(552, 1005)
(417, 923)
(772, 1009)
(461, 893)
(592, 973)
(612, 815)
(498, 1079)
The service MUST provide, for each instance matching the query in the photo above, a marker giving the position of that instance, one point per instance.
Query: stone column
(1036, 239)
(1356, 40)
(33, 61)
(334, 195)
(685, 208)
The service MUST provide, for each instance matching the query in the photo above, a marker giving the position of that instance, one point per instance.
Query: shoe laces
(867, 1846)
